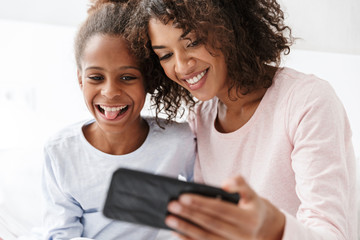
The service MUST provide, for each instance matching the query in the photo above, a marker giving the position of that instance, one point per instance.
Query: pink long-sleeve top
(296, 151)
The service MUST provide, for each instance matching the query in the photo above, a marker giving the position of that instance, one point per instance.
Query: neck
(233, 114)
(117, 143)
(236, 109)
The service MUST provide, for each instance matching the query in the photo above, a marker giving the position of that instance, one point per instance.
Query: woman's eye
(194, 43)
(96, 78)
(165, 56)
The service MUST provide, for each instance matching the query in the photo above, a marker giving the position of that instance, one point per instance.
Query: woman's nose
(184, 64)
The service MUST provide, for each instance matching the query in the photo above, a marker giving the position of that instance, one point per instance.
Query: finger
(210, 206)
(190, 231)
(205, 223)
(239, 185)
(217, 208)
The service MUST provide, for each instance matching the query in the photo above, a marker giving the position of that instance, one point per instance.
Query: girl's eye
(165, 56)
(127, 78)
(96, 78)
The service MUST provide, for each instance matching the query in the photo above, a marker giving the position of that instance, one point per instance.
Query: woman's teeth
(196, 78)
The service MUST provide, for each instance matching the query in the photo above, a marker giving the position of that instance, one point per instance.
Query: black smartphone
(142, 198)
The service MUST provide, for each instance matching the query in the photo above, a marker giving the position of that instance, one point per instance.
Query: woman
(278, 137)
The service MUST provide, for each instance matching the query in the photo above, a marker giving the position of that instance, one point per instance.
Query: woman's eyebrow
(157, 47)
(185, 34)
(182, 37)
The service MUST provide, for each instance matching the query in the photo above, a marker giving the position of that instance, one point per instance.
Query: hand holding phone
(142, 198)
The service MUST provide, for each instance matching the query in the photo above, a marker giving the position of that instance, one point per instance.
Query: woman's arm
(324, 166)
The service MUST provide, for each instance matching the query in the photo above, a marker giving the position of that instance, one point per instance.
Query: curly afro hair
(251, 34)
(110, 17)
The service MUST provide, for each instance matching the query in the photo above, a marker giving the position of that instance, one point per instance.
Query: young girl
(80, 160)
(278, 137)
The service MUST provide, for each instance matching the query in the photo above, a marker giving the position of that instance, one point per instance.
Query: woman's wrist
(274, 224)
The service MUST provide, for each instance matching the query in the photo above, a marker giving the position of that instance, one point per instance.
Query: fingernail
(171, 222)
(186, 200)
(174, 207)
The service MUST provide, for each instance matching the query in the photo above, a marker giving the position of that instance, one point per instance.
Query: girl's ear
(79, 76)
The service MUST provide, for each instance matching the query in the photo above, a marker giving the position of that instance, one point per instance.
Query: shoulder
(297, 87)
(167, 128)
(170, 131)
(206, 106)
(67, 135)
(306, 98)
(203, 109)
(287, 78)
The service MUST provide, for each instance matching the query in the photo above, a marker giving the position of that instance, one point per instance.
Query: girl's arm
(62, 213)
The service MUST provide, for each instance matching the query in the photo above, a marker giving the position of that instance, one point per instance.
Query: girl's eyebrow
(182, 37)
(120, 68)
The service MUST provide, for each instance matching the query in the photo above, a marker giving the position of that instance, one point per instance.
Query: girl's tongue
(111, 114)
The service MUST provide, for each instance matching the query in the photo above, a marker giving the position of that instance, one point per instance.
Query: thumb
(239, 185)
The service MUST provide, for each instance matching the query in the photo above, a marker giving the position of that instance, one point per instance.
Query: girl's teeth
(112, 109)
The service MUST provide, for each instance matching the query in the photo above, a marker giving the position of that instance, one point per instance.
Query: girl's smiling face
(112, 83)
(187, 61)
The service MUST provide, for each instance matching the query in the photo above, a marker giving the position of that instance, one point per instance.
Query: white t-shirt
(76, 177)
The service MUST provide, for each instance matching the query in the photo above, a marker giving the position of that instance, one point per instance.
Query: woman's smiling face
(187, 61)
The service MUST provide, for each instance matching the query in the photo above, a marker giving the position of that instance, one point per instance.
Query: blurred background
(39, 93)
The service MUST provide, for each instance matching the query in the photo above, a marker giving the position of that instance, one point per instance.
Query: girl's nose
(111, 89)
(184, 64)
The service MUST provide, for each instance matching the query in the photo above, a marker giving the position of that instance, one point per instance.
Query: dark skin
(110, 76)
(114, 143)
(233, 114)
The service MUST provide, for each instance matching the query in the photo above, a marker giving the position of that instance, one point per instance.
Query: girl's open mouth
(112, 113)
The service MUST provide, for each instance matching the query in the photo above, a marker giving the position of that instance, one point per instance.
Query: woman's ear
(79, 76)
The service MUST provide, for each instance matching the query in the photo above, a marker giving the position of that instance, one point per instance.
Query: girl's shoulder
(203, 111)
(72, 132)
(168, 129)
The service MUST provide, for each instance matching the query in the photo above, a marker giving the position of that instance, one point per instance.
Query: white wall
(63, 12)
(322, 25)
(39, 91)
(325, 25)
